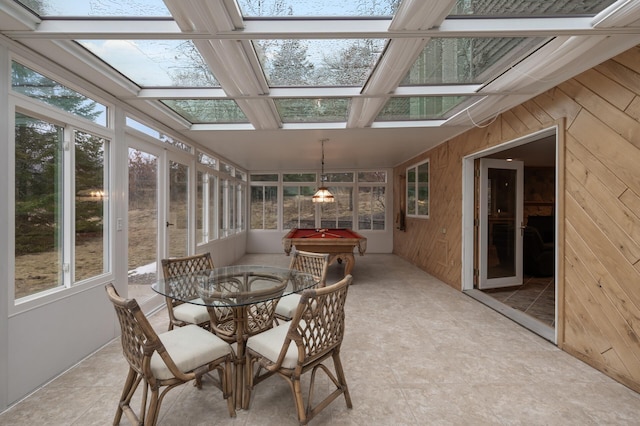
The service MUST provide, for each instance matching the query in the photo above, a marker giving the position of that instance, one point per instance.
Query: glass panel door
(501, 206)
(142, 222)
(177, 224)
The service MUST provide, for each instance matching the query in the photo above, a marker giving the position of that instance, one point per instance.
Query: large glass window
(360, 200)
(264, 201)
(298, 210)
(418, 190)
(207, 185)
(50, 250)
(39, 206)
(372, 200)
(338, 214)
(178, 210)
(35, 85)
(91, 190)
(143, 217)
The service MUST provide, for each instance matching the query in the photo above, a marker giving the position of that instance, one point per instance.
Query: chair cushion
(191, 313)
(189, 347)
(287, 305)
(269, 343)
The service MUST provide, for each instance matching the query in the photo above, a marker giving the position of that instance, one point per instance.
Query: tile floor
(416, 352)
(535, 297)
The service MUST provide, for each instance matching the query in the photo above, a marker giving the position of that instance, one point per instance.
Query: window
(298, 210)
(418, 190)
(226, 200)
(207, 184)
(90, 202)
(158, 135)
(60, 235)
(360, 200)
(36, 86)
(371, 200)
(264, 201)
(338, 214)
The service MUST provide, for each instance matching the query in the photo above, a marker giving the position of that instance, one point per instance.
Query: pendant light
(323, 195)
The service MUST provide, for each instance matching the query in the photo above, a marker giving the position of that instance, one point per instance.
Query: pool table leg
(348, 259)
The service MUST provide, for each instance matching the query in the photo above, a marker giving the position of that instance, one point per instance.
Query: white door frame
(468, 229)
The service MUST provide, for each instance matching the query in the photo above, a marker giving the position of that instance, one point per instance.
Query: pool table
(337, 242)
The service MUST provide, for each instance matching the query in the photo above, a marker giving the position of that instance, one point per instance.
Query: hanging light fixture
(323, 195)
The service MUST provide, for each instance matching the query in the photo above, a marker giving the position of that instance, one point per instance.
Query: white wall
(45, 341)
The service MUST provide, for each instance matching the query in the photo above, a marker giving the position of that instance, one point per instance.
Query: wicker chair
(292, 349)
(187, 268)
(165, 361)
(316, 264)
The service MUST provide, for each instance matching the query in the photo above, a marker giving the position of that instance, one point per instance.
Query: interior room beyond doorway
(531, 298)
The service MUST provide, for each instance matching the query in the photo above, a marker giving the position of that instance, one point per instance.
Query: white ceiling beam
(305, 92)
(233, 62)
(15, 17)
(398, 57)
(619, 14)
(226, 126)
(420, 14)
(435, 90)
(182, 93)
(350, 28)
(138, 29)
(407, 124)
(363, 111)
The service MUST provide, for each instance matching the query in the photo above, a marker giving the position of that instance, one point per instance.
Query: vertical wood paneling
(599, 209)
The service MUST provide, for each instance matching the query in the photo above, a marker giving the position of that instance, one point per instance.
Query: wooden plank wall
(599, 209)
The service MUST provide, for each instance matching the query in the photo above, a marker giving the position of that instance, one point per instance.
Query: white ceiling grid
(224, 40)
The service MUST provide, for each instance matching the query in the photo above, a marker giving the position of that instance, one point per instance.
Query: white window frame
(18, 103)
(417, 185)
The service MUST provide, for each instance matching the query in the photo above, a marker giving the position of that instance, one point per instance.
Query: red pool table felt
(325, 240)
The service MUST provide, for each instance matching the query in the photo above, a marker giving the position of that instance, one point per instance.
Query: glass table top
(235, 285)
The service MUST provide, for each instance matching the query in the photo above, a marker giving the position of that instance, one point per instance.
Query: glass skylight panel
(524, 8)
(307, 110)
(466, 60)
(97, 8)
(288, 63)
(419, 108)
(155, 63)
(207, 111)
(315, 8)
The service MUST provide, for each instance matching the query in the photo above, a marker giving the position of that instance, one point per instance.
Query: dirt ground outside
(43, 271)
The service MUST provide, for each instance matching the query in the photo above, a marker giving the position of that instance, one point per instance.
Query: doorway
(519, 245)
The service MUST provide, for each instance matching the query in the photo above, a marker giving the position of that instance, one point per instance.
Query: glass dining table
(241, 301)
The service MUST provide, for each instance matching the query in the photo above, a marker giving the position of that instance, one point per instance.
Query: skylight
(318, 62)
(309, 8)
(466, 60)
(93, 8)
(529, 7)
(312, 110)
(155, 63)
(207, 110)
(265, 63)
(419, 108)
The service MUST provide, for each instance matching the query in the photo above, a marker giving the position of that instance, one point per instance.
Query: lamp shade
(323, 195)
